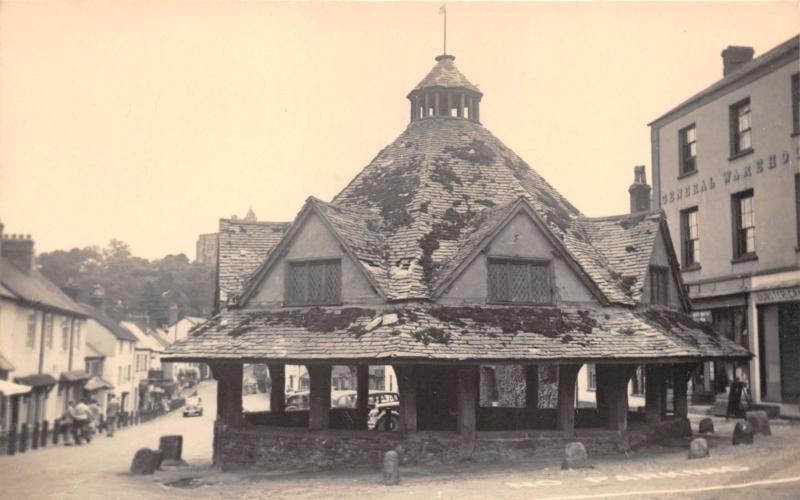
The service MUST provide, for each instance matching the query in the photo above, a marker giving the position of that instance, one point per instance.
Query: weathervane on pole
(443, 10)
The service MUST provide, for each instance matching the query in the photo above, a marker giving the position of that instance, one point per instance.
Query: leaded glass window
(515, 281)
(316, 282)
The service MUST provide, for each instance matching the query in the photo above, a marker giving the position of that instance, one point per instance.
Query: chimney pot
(735, 57)
(639, 191)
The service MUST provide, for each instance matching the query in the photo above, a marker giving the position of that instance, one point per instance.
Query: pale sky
(149, 121)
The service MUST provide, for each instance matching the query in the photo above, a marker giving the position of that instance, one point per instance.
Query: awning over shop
(97, 384)
(5, 364)
(73, 376)
(37, 380)
(11, 389)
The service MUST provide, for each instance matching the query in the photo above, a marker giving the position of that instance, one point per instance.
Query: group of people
(83, 419)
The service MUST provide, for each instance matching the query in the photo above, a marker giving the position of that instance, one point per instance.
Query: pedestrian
(72, 415)
(111, 415)
(94, 412)
(83, 416)
(68, 424)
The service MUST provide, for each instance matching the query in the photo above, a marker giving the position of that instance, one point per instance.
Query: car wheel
(394, 424)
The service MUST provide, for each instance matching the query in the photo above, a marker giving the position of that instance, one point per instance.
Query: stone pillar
(617, 377)
(680, 381)
(407, 387)
(467, 402)
(469, 107)
(653, 389)
(229, 392)
(531, 387)
(319, 396)
(362, 395)
(277, 393)
(567, 376)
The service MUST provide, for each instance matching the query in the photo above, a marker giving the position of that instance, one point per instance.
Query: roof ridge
(646, 213)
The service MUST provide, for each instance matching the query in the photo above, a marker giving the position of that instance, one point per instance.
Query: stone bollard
(146, 461)
(706, 426)
(759, 421)
(56, 430)
(35, 436)
(575, 456)
(698, 448)
(45, 429)
(742, 433)
(391, 468)
(23, 438)
(172, 448)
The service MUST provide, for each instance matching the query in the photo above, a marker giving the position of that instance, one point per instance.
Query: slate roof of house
(445, 74)
(143, 340)
(109, 324)
(36, 290)
(243, 246)
(456, 333)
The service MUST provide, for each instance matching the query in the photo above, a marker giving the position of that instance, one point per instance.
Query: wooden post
(362, 395)
(407, 387)
(319, 396)
(618, 377)
(531, 387)
(229, 392)
(567, 376)
(476, 108)
(467, 401)
(653, 388)
(277, 393)
(680, 400)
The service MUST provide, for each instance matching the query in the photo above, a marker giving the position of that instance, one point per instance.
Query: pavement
(770, 467)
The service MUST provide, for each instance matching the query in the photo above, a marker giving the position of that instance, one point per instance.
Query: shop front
(779, 344)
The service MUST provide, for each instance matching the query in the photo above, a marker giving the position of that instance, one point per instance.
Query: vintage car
(193, 406)
(384, 412)
(297, 401)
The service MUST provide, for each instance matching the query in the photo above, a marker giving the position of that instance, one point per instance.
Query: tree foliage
(135, 287)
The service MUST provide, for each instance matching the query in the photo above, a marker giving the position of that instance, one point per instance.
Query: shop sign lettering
(730, 176)
(778, 295)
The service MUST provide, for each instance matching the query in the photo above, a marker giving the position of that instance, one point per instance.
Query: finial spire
(443, 10)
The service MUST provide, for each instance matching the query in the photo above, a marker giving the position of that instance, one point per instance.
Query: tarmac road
(769, 468)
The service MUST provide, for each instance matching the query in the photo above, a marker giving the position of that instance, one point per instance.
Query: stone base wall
(270, 448)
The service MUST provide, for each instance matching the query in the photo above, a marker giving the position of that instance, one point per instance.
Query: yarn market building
(448, 253)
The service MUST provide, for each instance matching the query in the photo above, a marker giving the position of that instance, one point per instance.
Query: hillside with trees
(136, 288)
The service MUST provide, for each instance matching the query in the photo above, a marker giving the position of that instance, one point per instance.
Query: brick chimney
(735, 57)
(639, 191)
(97, 298)
(18, 249)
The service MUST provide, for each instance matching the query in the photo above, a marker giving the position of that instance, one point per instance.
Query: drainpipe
(41, 345)
(71, 338)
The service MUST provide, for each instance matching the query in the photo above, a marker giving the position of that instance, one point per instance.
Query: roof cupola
(445, 92)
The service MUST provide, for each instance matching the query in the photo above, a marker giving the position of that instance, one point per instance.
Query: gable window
(688, 154)
(741, 128)
(30, 337)
(517, 281)
(796, 104)
(691, 238)
(315, 282)
(659, 285)
(744, 225)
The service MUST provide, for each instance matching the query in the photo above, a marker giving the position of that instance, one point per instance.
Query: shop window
(687, 139)
(691, 238)
(591, 377)
(316, 282)
(741, 128)
(659, 285)
(744, 225)
(516, 281)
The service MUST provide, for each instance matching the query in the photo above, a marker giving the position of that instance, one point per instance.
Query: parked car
(297, 401)
(384, 413)
(193, 406)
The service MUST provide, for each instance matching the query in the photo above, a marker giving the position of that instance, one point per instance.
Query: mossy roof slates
(466, 332)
